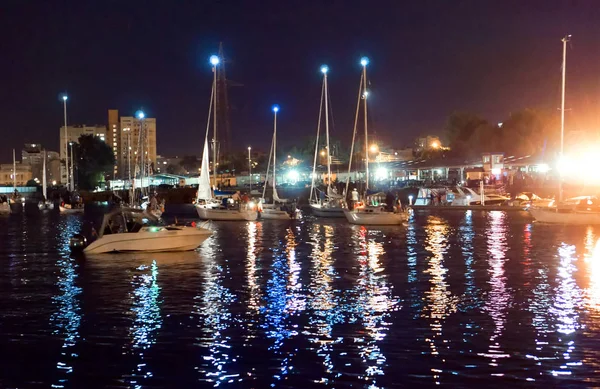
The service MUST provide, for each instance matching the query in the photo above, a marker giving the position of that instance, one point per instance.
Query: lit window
(114, 130)
(114, 143)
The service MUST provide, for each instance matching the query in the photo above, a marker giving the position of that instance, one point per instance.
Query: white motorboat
(581, 210)
(375, 215)
(463, 196)
(133, 230)
(68, 209)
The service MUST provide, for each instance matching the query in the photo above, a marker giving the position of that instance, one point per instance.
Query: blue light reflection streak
(67, 318)
(147, 319)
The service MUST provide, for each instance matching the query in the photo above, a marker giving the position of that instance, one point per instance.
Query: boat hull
(320, 211)
(207, 213)
(183, 239)
(69, 210)
(375, 218)
(571, 218)
(275, 214)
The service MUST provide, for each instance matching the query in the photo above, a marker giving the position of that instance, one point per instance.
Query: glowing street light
(250, 166)
(275, 108)
(435, 144)
(324, 69)
(64, 99)
(364, 61)
(140, 115)
(214, 60)
(374, 148)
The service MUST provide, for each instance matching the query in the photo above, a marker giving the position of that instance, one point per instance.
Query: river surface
(460, 299)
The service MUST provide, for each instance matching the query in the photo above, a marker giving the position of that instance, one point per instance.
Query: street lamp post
(364, 61)
(140, 115)
(72, 170)
(214, 61)
(275, 110)
(562, 109)
(250, 166)
(64, 98)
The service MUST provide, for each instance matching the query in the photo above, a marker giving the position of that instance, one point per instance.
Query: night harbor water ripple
(462, 299)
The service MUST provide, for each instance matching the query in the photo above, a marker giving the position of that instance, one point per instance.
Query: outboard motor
(78, 242)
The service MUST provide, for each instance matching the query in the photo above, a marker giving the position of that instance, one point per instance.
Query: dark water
(456, 299)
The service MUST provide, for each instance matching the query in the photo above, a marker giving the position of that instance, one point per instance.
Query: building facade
(129, 148)
(113, 138)
(72, 135)
(6, 174)
(32, 155)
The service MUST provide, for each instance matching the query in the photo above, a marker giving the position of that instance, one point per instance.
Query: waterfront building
(6, 174)
(32, 155)
(73, 134)
(113, 138)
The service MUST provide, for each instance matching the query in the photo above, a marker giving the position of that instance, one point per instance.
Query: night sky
(428, 58)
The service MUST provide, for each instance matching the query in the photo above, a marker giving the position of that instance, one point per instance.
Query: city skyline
(492, 58)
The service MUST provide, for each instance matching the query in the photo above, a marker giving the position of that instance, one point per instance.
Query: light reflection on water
(375, 303)
(499, 297)
(213, 309)
(459, 299)
(440, 301)
(67, 317)
(145, 307)
(323, 300)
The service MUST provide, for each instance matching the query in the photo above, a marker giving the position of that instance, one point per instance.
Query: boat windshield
(128, 221)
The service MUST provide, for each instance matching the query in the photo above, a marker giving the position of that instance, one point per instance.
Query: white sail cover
(204, 191)
(276, 198)
(333, 194)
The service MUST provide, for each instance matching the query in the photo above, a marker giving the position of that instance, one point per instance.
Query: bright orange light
(322, 153)
(374, 148)
(435, 144)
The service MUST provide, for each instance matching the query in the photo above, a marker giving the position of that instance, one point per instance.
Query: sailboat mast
(215, 63)
(275, 110)
(324, 69)
(364, 62)
(562, 108)
(14, 170)
(44, 189)
(312, 184)
(360, 91)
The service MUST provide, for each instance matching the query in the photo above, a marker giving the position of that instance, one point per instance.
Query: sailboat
(369, 214)
(207, 206)
(16, 201)
(280, 209)
(45, 204)
(326, 203)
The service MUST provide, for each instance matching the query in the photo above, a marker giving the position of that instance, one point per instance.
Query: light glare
(214, 60)
(364, 61)
(324, 69)
(275, 108)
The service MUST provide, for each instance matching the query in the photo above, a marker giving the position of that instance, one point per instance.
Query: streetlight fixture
(250, 166)
(72, 170)
(364, 61)
(374, 148)
(64, 99)
(214, 61)
(275, 110)
(140, 115)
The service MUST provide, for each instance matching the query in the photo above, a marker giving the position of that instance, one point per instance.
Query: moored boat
(581, 210)
(133, 230)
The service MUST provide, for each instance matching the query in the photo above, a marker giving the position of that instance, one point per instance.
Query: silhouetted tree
(94, 160)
